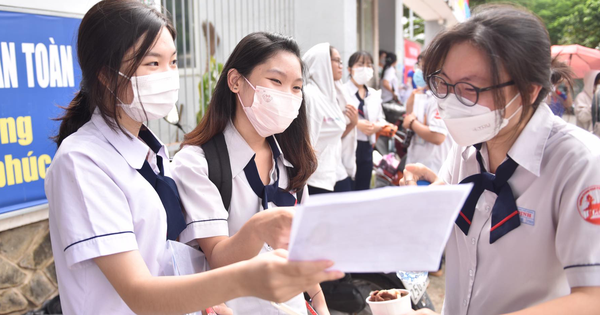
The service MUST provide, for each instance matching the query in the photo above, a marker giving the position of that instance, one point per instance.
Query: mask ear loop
(510, 103)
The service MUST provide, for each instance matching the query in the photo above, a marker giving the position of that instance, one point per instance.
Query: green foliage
(568, 21)
(207, 86)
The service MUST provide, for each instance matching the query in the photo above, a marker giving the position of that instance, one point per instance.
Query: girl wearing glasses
(524, 241)
(332, 120)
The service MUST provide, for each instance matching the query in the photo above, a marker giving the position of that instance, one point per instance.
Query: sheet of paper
(378, 230)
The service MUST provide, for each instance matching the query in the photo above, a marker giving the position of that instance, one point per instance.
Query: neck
(128, 123)
(247, 131)
(499, 146)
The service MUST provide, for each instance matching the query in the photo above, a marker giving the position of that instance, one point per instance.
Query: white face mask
(471, 125)
(362, 75)
(271, 111)
(154, 95)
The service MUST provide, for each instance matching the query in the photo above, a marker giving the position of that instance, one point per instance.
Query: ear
(233, 80)
(534, 91)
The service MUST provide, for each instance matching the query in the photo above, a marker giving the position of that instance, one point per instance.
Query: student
(389, 80)
(524, 242)
(327, 122)
(381, 64)
(370, 121)
(258, 109)
(431, 143)
(583, 102)
(113, 207)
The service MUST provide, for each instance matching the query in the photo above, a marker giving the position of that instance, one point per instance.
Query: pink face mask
(271, 111)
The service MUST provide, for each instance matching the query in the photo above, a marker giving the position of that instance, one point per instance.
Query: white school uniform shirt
(390, 76)
(327, 122)
(348, 166)
(557, 190)
(421, 151)
(372, 108)
(206, 215)
(100, 205)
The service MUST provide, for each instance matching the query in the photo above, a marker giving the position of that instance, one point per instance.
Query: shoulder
(577, 147)
(189, 157)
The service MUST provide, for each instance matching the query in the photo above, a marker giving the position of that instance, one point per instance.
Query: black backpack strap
(299, 194)
(219, 168)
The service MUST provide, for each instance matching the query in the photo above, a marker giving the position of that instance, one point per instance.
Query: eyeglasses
(467, 93)
(339, 62)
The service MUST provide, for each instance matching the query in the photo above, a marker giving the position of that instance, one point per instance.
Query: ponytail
(390, 58)
(76, 115)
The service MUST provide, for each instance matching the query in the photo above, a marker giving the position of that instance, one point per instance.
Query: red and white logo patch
(588, 204)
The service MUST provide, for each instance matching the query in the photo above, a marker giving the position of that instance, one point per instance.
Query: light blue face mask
(418, 78)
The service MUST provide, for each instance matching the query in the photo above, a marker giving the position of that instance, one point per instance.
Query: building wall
(333, 21)
(387, 25)
(27, 275)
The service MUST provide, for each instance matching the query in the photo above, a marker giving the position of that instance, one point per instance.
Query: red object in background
(581, 59)
(411, 53)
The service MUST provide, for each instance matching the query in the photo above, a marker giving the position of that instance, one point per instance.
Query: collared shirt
(557, 190)
(207, 217)
(420, 151)
(100, 205)
(390, 76)
(373, 111)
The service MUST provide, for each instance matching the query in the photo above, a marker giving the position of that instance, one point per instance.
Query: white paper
(378, 230)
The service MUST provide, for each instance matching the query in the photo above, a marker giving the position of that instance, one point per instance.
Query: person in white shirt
(328, 123)
(258, 108)
(389, 81)
(583, 102)
(430, 144)
(114, 211)
(524, 241)
(370, 112)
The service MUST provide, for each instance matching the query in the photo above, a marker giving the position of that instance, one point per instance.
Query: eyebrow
(282, 73)
(469, 78)
(155, 54)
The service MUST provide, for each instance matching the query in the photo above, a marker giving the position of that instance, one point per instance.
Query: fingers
(420, 171)
(409, 179)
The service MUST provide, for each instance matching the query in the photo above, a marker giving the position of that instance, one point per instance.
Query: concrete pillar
(432, 28)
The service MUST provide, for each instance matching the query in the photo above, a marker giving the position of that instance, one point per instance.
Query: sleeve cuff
(79, 253)
(204, 229)
(587, 275)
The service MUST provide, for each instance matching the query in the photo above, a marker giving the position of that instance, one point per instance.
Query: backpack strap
(299, 194)
(219, 168)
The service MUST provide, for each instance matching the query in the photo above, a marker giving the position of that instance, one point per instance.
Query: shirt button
(473, 241)
(470, 272)
(487, 208)
(465, 302)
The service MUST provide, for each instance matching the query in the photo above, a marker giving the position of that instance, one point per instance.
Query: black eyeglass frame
(477, 89)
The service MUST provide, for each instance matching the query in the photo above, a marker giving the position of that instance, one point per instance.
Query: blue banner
(38, 73)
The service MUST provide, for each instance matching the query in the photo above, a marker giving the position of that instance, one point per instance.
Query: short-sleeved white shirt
(372, 108)
(390, 76)
(557, 190)
(206, 215)
(420, 151)
(100, 205)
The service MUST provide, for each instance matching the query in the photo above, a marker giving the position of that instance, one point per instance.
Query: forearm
(386, 84)
(187, 294)
(409, 103)
(318, 298)
(349, 128)
(426, 134)
(582, 301)
(243, 245)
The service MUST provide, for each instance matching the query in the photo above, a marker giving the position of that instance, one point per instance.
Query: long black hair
(108, 31)
(390, 58)
(251, 51)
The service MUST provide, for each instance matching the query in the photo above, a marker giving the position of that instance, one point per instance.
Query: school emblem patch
(588, 204)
